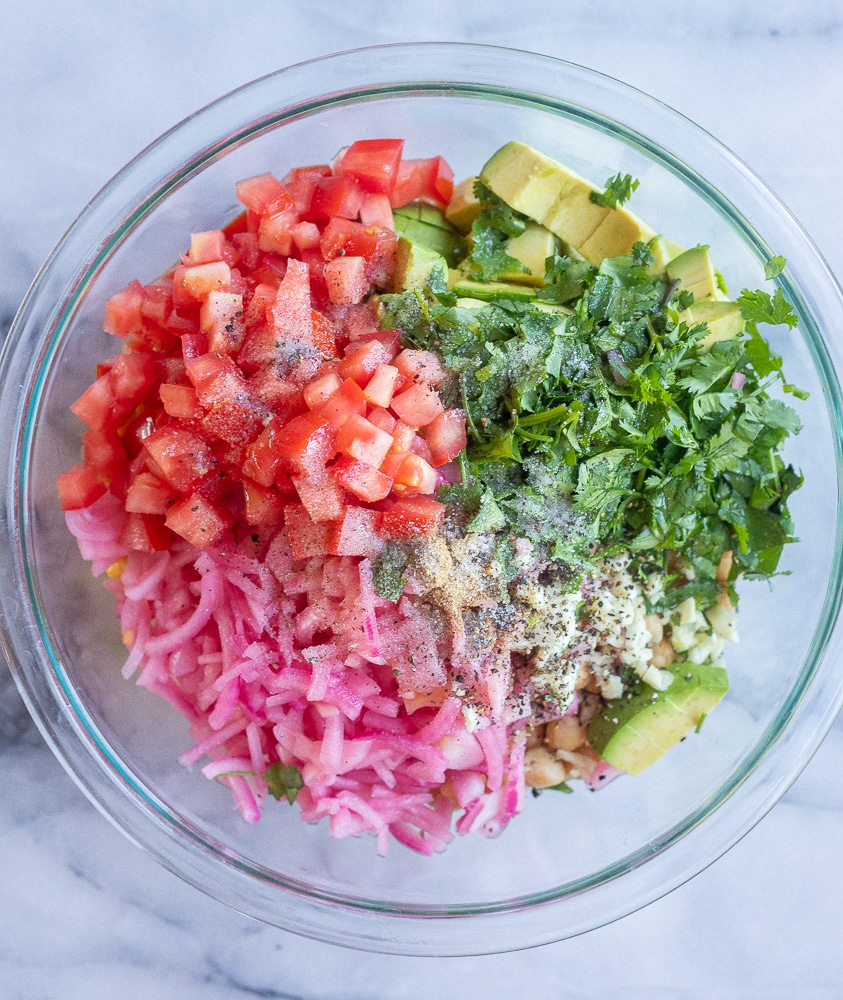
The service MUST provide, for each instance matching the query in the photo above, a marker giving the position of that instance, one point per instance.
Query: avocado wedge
(633, 731)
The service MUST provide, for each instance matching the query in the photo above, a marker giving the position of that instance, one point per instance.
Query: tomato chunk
(411, 516)
(79, 486)
(306, 442)
(306, 537)
(364, 481)
(181, 456)
(446, 436)
(355, 533)
(197, 519)
(417, 405)
(360, 439)
(373, 162)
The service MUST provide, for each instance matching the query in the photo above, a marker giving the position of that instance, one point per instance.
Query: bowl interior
(562, 845)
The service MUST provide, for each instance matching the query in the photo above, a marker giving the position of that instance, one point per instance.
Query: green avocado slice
(560, 199)
(633, 731)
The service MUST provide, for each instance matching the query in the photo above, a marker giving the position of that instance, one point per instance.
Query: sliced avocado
(488, 291)
(531, 248)
(420, 211)
(416, 265)
(463, 208)
(560, 199)
(633, 731)
(427, 226)
(693, 268)
(724, 320)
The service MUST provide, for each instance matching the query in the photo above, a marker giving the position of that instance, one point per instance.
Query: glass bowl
(569, 863)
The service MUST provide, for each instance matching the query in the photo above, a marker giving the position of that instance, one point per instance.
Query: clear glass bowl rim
(370, 74)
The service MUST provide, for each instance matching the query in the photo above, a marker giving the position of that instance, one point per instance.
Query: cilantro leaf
(774, 267)
(761, 307)
(283, 781)
(618, 190)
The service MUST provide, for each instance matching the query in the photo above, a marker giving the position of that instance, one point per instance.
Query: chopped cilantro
(598, 422)
(283, 781)
(618, 190)
(388, 569)
(774, 267)
(495, 225)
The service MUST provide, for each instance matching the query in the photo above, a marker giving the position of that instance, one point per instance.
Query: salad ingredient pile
(412, 497)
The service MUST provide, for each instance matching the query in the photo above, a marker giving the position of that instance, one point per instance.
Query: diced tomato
(262, 461)
(262, 298)
(377, 211)
(264, 195)
(360, 439)
(79, 486)
(429, 180)
(181, 457)
(193, 282)
(306, 537)
(207, 246)
(380, 387)
(193, 345)
(336, 197)
(181, 401)
(123, 311)
(275, 232)
(248, 251)
(414, 475)
(345, 401)
(322, 497)
(343, 237)
(411, 516)
(290, 315)
(132, 377)
(402, 438)
(421, 366)
(148, 494)
(301, 183)
(264, 505)
(362, 359)
(391, 339)
(277, 385)
(355, 533)
(215, 377)
(95, 407)
(324, 337)
(146, 533)
(306, 442)
(365, 482)
(157, 302)
(417, 405)
(421, 448)
(235, 420)
(103, 450)
(306, 235)
(321, 388)
(446, 436)
(221, 319)
(373, 162)
(346, 280)
(197, 519)
(381, 418)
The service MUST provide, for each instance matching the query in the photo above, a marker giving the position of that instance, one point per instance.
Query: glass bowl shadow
(569, 863)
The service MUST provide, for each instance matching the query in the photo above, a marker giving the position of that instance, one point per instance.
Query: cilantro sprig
(618, 189)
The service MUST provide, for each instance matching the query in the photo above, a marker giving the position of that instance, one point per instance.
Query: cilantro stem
(545, 416)
(471, 425)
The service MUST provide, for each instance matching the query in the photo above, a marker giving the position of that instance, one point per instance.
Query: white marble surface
(84, 913)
